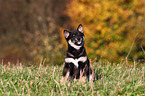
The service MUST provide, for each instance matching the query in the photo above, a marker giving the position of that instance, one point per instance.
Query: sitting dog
(76, 61)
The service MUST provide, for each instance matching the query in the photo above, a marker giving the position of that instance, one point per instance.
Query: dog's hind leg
(66, 71)
(88, 73)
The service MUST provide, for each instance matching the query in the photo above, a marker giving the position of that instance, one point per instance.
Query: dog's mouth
(79, 42)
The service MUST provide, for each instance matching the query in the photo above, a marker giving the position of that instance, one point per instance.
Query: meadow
(110, 79)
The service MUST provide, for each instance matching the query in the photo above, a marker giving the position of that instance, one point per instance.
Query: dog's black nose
(79, 39)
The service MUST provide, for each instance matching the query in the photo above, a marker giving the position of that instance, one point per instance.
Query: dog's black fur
(76, 61)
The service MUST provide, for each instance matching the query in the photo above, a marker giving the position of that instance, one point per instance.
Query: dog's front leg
(65, 73)
(65, 77)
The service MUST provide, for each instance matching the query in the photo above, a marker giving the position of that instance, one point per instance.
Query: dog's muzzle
(77, 40)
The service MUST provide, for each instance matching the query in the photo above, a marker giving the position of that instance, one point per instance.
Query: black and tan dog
(76, 60)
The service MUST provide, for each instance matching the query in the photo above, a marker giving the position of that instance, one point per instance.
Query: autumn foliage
(114, 29)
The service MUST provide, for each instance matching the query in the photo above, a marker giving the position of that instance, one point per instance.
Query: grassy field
(110, 79)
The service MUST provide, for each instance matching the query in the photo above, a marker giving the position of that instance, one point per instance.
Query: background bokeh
(32, 30)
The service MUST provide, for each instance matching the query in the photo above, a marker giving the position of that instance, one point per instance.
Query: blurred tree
(110, 27)
(29, 32)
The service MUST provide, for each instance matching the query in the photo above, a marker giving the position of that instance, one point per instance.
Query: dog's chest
(75, 61)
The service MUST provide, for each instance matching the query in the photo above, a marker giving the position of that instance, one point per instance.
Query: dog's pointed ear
(66, 34)
(80, 28)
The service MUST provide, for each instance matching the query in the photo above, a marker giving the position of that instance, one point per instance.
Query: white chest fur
(75, 61)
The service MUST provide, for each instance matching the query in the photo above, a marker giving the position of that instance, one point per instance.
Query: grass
(109, 80)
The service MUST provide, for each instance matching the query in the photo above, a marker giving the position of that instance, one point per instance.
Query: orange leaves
(109, 25)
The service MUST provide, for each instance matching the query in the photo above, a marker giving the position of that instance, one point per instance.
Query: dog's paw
(64, 78)
(83, 79)
(63, 81)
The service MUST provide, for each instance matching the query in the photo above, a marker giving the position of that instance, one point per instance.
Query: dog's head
(75, 38)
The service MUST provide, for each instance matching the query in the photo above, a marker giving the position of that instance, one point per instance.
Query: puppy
(76, 61)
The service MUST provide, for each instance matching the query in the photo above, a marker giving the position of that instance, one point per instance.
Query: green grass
(45, 81)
